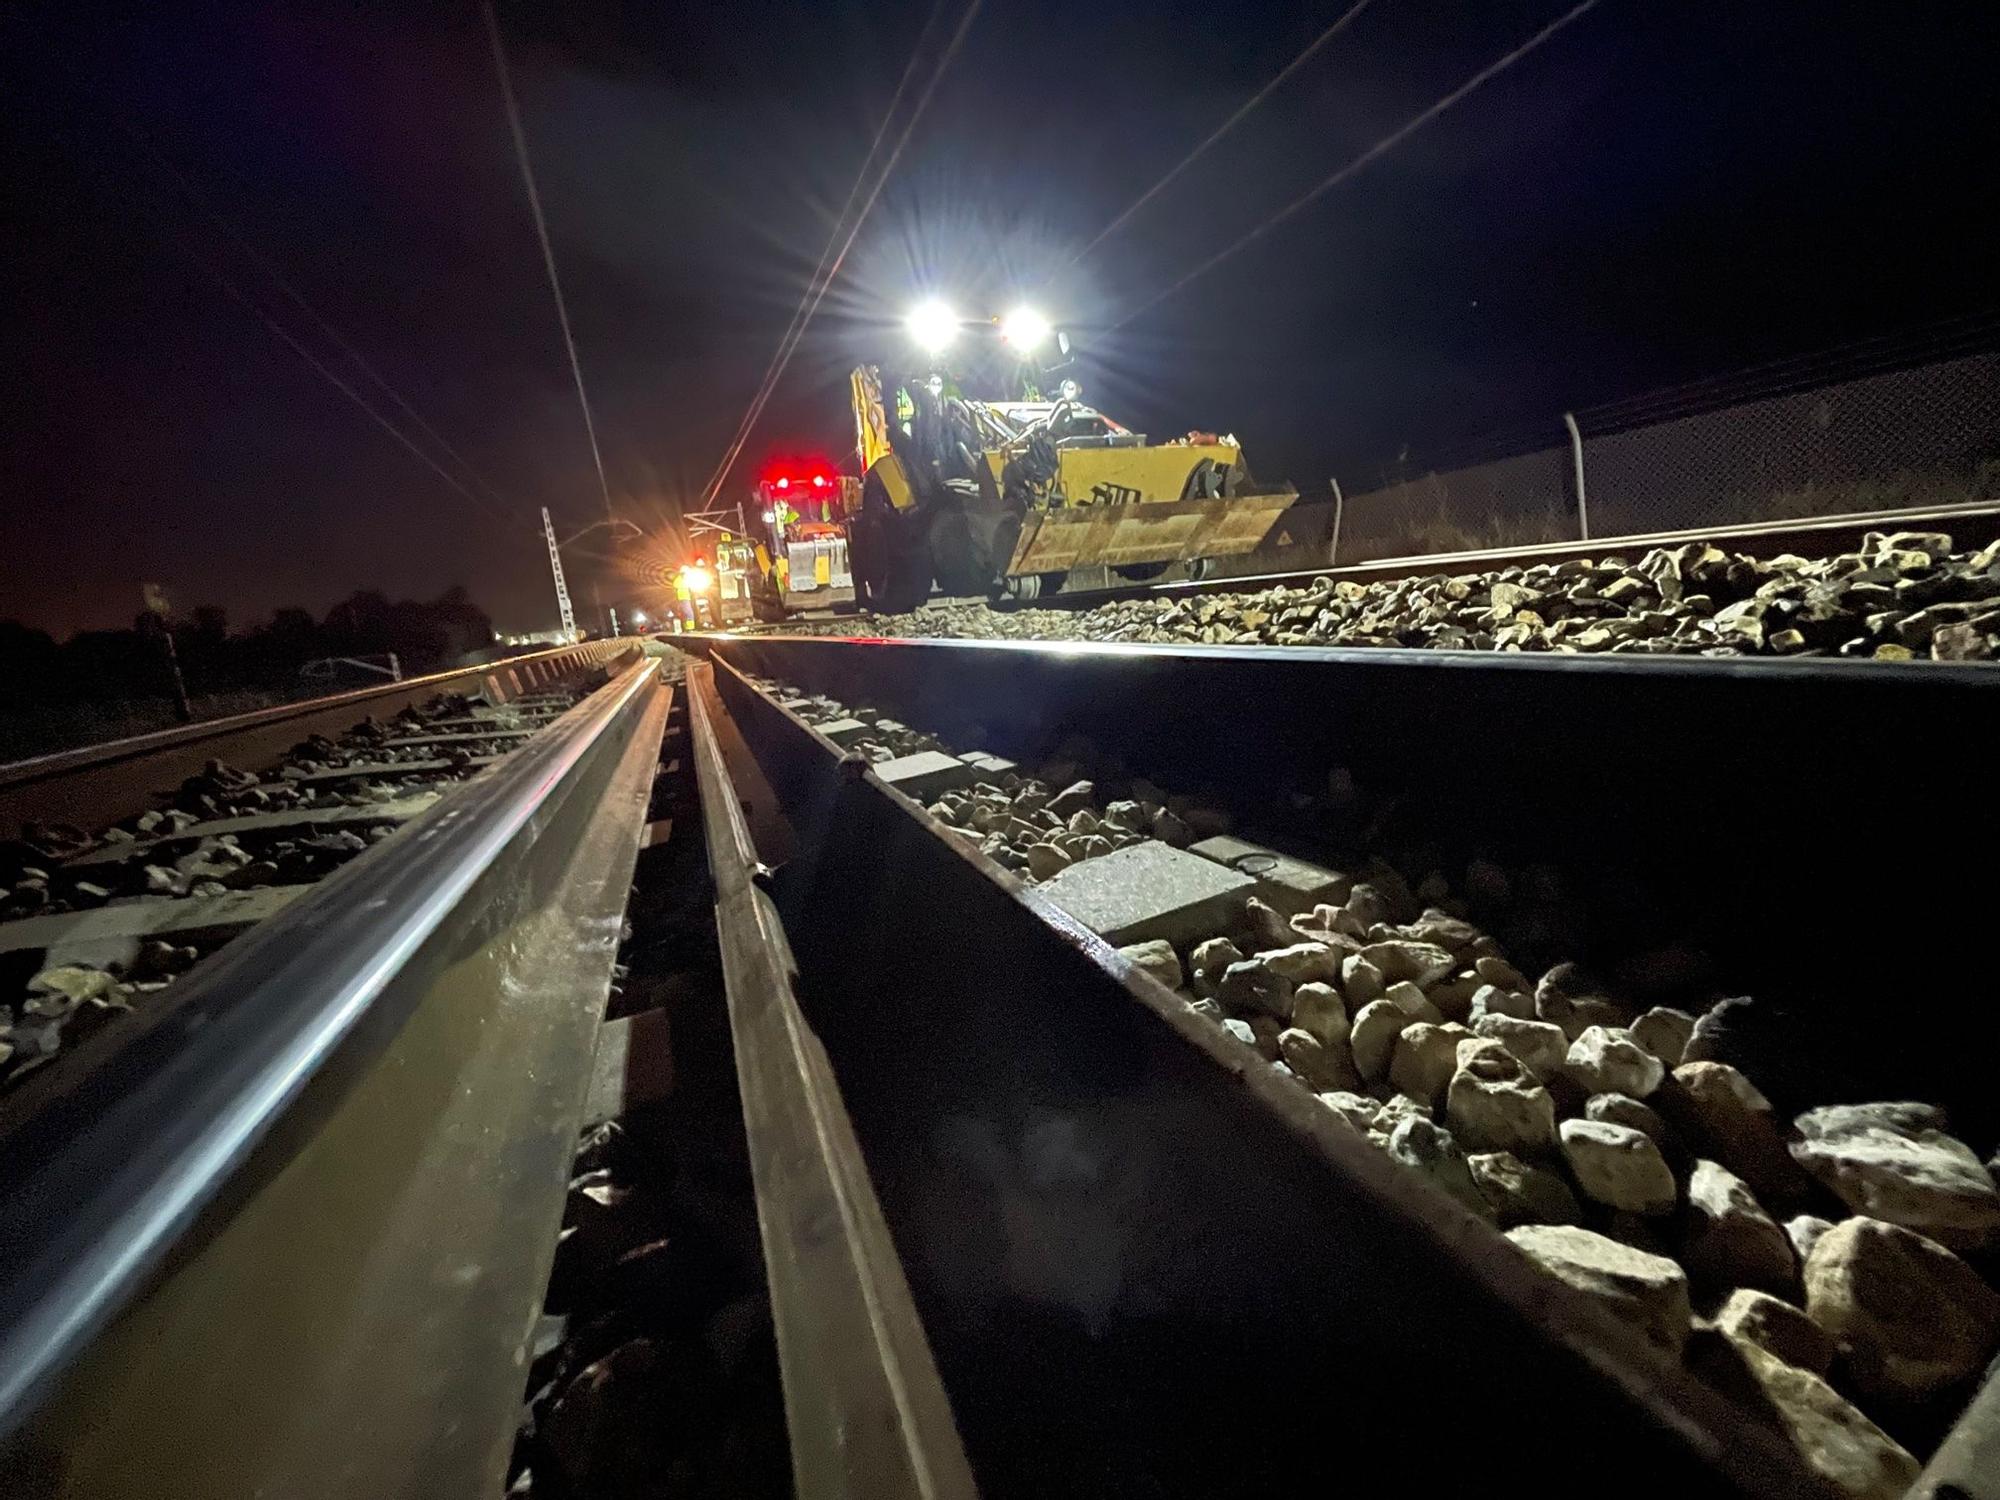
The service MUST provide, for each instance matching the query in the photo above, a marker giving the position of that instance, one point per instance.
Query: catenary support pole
(555, 567)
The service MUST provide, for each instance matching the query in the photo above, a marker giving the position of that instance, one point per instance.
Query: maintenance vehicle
(984, 472)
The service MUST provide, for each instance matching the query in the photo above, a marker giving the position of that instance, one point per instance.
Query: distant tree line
(96, 666)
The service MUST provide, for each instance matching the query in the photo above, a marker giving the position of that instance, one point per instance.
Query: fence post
(1576, 452)
(181, 709)
(1339, 505)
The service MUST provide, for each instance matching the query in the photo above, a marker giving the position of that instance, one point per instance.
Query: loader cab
(982, 365)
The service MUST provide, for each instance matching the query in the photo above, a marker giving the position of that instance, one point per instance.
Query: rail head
(109, 1163)
(1797, 671)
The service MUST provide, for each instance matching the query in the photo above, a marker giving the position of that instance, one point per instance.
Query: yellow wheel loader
(976, 480)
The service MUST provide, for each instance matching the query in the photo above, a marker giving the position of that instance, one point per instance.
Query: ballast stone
(1648, 1292)
(1894, 1161)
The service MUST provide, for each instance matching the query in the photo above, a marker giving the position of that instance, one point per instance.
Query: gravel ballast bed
(1902, 596)
(1833, 1269)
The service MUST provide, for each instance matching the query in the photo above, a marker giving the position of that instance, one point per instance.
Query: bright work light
(1025, 329)
(932, 326)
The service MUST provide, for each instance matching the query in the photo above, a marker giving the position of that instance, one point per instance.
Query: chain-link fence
(1782, 443)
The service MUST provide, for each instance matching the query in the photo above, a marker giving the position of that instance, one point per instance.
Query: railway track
(1861, 591)
(1973, 524)
(997, 1105)
(1037, 1214)
(95, 921)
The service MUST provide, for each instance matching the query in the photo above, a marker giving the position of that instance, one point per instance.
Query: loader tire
(963, 567)
(868, 559)
(909, 582)
(889, 553)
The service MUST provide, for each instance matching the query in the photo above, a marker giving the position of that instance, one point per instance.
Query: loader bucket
(1145, 531)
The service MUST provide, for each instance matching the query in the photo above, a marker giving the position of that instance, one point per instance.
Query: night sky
(1663, 191)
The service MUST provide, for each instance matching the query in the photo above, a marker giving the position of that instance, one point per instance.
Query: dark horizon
(1651, 197)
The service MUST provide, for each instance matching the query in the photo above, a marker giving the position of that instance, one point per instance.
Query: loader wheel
(1197, 569)
(889, 553)
(963, 567)
(909, 574)
(868, 559)
(909, 564)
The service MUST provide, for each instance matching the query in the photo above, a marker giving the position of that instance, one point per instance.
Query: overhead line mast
(555, 567)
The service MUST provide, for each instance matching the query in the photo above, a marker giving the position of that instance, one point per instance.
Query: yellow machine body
(1057, 540)
(1116, 506)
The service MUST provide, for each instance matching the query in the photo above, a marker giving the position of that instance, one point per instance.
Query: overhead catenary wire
(817, 294)
(1311, 50)
(779, 355)
(1380, 148)
(316, 363)
(788, 346)
(548, 251)
(298, 299)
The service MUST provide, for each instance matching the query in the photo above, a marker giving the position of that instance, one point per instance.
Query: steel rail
(352, 1125)
(1966, 1465)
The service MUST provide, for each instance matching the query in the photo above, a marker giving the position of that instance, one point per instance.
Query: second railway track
(97, 917)
(1973, 524)
(1865, 587)
(1053, 1198)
